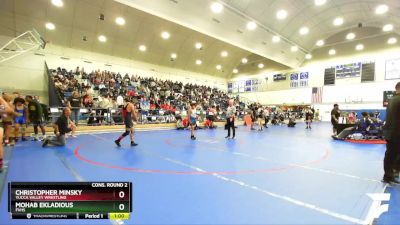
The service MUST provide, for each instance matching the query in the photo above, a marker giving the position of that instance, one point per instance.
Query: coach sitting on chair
(61, 127)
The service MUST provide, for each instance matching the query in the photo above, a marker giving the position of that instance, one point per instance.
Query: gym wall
(344, 91)
(26, 73)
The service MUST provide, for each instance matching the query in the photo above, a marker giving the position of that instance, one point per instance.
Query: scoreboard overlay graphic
(70, 200)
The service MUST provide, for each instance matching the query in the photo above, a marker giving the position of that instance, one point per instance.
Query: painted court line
(249, 171)
(270, 160)
(310, 168)
(281, 197)
(296, 165)
(78, 177)
(258, 189)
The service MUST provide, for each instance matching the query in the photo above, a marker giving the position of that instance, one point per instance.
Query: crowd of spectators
(105, 89)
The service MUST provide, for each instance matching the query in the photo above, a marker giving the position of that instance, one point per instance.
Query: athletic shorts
(7, 123)
(211, 118)
(192, 121)
(20, 120)
(37, 123)
(128, 124)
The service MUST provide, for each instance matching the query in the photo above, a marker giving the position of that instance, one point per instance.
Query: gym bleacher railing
(113, 116)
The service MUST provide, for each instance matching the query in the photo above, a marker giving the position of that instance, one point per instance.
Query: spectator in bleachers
(87, 101)
(145, 107)
(164, 93)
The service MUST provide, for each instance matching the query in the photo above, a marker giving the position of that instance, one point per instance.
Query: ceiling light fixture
(251, 25)
(338, 21)
(320, 43)
(304, 30)
(260, 65)
(294, 48)
(142, 48)
(198, 45)
(219, 67)
(165, 35)
(332, 52)
(198, 62)
(381, 9)
(216, 7)
(120, 21)
(281, 14)
(50, 26)
(102, 38)
(276, 39)
(235, 70)
(392, 41)
(308, 56)
(173, 56)
(244, 60)
(387, 27)
(319, 2)
(58, 3)
(359, 47)
(350, 36)
(224, 53)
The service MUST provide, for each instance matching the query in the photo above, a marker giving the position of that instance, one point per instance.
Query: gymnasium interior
(308, 87)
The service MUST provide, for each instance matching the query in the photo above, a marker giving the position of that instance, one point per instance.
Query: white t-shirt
(120, 100)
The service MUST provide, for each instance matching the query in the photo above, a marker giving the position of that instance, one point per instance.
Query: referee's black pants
(230, 124)
(391, 158)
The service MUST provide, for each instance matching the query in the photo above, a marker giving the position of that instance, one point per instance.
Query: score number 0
(121, 206)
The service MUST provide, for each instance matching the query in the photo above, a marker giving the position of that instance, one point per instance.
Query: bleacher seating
(157, 100)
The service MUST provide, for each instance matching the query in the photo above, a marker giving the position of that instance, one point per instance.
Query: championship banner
(304, 79)
(294, 80)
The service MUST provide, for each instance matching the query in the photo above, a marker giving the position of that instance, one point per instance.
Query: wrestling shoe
(45, 142)
(117, 143)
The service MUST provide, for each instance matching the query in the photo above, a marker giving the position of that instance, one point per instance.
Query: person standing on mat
(34, 115)
(335, 114)
(391, 131)
(128, 114)
(20, 119)
(266, 117)
(260, 117)
(7, 120)
(192, 115)
(309, 114)
(61, 128)
(230, 118)
(4, 108)
(75, 103)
